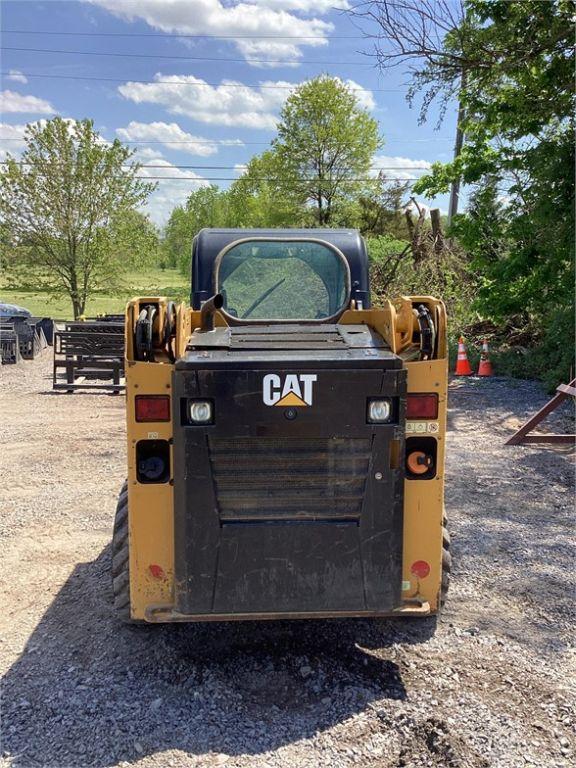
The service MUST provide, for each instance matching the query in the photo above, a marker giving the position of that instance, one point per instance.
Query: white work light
(379, 411)
(201, 411)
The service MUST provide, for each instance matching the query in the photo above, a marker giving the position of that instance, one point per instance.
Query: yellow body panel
(151, 506)
(424, 499)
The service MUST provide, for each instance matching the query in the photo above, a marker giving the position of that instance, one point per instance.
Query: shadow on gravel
(90, 691)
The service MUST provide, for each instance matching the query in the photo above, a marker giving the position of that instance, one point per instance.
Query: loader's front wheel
(120, 558)
(446, 564)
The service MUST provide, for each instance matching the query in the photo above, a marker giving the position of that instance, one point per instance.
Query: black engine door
(287, 508)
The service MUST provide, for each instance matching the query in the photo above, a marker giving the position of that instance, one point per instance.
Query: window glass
(282, 280)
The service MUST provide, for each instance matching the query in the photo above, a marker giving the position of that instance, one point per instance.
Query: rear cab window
(282, 280)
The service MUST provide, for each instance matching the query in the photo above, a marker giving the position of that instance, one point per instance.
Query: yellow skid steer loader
(285, 439)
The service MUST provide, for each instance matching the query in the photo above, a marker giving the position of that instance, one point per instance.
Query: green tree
(205, 207)
(260, 199)
(324, 148)
(382, 209)
(131, 239)
(177, 237)
(511, 64)
(59, 202)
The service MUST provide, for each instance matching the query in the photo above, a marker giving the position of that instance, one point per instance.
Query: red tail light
(152, 408)
(422, 406)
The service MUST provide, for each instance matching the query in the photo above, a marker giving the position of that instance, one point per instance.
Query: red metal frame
(521, 437)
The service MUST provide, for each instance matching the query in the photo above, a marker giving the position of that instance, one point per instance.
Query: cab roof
(208, 243)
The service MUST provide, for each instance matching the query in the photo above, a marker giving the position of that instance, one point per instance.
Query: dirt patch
(490, 684)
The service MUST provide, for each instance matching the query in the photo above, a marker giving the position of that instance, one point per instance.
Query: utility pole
(455, 189)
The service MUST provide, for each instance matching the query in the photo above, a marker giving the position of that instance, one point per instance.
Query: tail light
(422, 406)
(152, 408)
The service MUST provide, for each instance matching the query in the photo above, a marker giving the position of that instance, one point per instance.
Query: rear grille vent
(289, 478)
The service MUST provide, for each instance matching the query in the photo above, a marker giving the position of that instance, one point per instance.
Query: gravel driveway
(492, 684)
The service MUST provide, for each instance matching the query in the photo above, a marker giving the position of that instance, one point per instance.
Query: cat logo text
(295, 389)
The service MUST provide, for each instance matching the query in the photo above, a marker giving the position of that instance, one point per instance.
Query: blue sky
(199, 101)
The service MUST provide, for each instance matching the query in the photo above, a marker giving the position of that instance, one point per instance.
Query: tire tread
(121, 559)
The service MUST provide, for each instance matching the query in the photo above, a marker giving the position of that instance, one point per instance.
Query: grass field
(150, 282)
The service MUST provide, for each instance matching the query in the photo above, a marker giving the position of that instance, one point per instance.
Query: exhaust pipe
(208, 310)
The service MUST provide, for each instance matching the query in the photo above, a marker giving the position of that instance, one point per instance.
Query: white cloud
(147, 153)
(364, 96)
(170, 135)
(10, 101)
(505, 200)
(302, 6)
(220, 17)
(266, 53)
(11, 140)
(12, 136)
(231, 103)
(170, 192)
(219, 105)
(16, 76)
(400, 167)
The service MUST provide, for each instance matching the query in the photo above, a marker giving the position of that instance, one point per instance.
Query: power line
(231, 167)
(188, 58)
(243, 165)
(191, 85)
(199, 35)
(230, 142)
(238, 143)
(261, 178)
(235, 142)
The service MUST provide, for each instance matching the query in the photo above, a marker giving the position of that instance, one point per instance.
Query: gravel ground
(490, 684)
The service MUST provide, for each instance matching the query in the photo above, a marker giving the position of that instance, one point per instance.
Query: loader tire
(446, 564)
(121, 560)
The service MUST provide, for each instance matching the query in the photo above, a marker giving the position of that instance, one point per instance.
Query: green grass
(148, 282)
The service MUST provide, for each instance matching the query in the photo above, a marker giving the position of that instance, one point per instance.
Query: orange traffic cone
(485, 367)
(462, 365)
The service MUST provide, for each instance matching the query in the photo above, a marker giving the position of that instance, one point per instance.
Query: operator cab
(310, 275)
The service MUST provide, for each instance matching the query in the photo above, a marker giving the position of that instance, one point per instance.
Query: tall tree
(60, 201)
(206, 208)
(131, 239)
(176, 238)
(382, 208)
(518, 103)
(324, 147)
(259, 198)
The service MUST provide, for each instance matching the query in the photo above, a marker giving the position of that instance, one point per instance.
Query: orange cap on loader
(485, 367)
(462, 363)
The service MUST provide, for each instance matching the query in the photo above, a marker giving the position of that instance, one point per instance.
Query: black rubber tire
(121, 559)
(446, 563)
